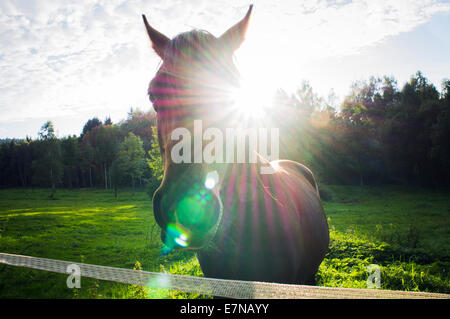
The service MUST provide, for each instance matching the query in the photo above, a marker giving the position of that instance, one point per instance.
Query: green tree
(130, 160)
(108, 121)
(48, 167)
(87, 158)
(155, 162)
(140, 123)
(117, 174)
(440, 135)
(47, 131)
(106, 147)
(22, 161)
(90, 125)
(71, 157)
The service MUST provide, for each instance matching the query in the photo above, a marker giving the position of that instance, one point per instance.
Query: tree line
(104, 155)
(379, 134)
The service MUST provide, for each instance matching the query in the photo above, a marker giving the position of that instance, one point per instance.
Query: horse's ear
(159, 41)
(235, 35)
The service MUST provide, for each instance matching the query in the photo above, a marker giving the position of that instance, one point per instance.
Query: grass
(86, 225)
(404, 231)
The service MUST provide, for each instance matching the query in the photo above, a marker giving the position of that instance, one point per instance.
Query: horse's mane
(189, 44)
(200, 59)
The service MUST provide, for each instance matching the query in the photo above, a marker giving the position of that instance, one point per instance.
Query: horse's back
(307, 208)
(281, 235)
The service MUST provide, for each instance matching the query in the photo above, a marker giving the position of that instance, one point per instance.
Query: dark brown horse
(244, 225)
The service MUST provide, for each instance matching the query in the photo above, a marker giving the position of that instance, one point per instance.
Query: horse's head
(192, 83)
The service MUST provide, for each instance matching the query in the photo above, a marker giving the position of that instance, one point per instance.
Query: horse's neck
(240, 183)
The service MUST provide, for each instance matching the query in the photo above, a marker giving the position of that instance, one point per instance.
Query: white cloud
(92, 57)
(60, 60)
(339, 27)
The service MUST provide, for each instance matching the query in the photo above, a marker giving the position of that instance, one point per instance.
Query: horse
(243, 225)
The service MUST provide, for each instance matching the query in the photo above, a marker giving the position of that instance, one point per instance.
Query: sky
(68, 61)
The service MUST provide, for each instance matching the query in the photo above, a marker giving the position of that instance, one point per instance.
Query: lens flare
(251, 101)
(182, 240)
(211, 180)
(159, 287)
(176, 234)
(192, 217)
(191, 210)
(160, 281)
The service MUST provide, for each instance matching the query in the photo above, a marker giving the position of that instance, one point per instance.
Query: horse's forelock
(189, 44)
(190, 56)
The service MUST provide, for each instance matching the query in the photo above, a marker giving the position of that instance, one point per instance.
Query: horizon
(70, 63)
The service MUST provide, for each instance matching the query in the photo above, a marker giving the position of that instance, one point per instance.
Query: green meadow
(406, 232)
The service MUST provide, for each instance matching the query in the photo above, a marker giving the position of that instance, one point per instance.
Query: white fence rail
(209, 286)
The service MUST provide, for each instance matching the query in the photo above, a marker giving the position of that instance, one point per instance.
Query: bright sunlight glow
(259, 81)
(252, 99)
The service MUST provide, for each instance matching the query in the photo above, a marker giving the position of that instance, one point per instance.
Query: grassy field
(404, 231)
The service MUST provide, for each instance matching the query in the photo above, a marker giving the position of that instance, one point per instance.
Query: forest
(380, 134)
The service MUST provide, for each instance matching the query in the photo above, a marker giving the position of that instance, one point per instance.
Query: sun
(247, 101)
(260, 78)
(253, 99)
